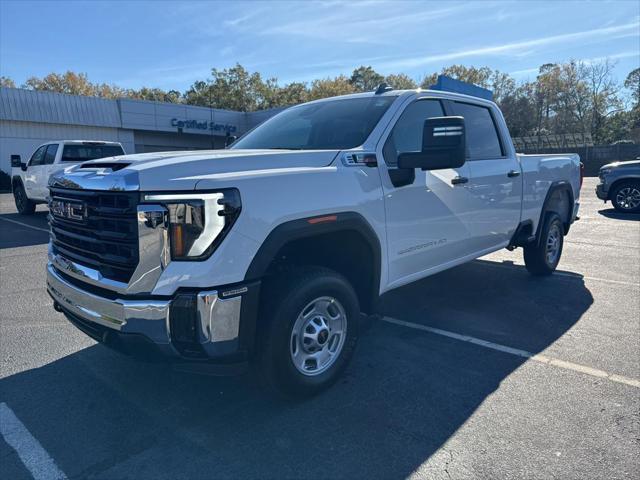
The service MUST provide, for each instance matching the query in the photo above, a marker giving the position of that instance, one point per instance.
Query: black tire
(286, 297)
(542, 257)
(23, 204)
(625, 197)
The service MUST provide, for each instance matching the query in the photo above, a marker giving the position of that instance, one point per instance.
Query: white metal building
(29, 118)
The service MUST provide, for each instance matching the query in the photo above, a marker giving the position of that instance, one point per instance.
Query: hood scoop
(113, 166)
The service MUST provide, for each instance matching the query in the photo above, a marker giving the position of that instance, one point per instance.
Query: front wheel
(311, 330)
(23, 204)
(542, 257)
(626, 197)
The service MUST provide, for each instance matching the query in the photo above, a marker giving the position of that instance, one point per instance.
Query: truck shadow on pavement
(612, 213)
(406, 393)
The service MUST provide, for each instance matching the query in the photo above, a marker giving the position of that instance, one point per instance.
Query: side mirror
(15, 161)
(229, 140)
(443, 145)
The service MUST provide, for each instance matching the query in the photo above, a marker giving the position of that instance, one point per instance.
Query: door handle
(513, 173)
(459, 180)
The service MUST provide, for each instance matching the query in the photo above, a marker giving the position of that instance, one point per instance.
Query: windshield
(82, 153)
(336, 124)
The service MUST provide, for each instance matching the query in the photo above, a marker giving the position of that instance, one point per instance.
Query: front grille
(106, 239)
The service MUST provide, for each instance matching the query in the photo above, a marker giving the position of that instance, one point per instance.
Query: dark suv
(620, 183)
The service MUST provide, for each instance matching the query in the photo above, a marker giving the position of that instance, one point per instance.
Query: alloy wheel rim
(318, 336)
(628, 198)
(552, 249)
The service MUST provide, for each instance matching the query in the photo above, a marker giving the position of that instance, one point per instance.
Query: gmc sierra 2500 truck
(29, 180)
(269, 252)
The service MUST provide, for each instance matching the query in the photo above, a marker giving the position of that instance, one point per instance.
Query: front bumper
(601, 192)
(211, 325)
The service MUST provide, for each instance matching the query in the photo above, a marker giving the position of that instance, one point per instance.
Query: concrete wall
(146, 141)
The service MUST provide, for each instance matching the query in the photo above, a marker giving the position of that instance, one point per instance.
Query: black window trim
(395, 121)
(503, 150)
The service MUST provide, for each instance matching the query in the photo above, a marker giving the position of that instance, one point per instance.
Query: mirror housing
(229, 139)
(16, 162)
(443, 145)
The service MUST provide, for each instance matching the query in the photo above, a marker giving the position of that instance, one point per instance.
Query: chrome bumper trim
(147, 317)
(218, 320)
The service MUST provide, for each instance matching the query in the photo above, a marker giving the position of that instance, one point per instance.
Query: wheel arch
(559, 199)
(344, 242)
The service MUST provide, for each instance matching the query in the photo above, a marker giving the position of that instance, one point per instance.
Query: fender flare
(557, 186)
(309, 227)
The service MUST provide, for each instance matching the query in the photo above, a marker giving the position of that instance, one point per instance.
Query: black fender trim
(558, 186)
(313, 226)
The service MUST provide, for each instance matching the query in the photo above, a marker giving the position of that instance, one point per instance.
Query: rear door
(425, 210)
(495, 182)
(34, 171)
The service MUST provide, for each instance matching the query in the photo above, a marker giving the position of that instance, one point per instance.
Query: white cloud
(516, 48)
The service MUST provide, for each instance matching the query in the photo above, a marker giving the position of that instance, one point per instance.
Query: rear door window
(82, 153)
(406, 135)
(50, 154)
(483, 141)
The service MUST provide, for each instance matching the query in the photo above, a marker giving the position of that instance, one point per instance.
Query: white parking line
(594, 372)
(24, 224)
(35, 458)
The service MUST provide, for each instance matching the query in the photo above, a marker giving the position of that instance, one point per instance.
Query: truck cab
(30, 178)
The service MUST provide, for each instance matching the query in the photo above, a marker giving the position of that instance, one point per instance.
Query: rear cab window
(483, 140)
(82, 153)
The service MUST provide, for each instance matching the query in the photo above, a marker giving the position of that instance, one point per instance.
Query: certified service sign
(203, 125)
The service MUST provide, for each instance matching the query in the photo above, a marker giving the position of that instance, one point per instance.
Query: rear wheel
(542, 257)
(311, 331)
(626, 197)
(23, 204)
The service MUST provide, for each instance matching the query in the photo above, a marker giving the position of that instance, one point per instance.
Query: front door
(426, 211)
(495, 184)
(34, 172)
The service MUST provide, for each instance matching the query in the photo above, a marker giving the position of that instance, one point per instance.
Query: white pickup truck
(267, 253)
(29, 180)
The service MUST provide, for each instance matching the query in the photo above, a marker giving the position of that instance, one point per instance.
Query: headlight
(605, 171)
(198, 222)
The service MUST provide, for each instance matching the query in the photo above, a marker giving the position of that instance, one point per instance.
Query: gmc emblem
(69, 210)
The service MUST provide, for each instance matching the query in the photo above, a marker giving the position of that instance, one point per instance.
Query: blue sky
(169, 44)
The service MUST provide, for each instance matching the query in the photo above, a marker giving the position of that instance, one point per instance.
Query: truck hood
(183, 170)
(623, 164)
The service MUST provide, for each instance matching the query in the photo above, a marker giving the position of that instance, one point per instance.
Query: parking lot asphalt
(478, 372)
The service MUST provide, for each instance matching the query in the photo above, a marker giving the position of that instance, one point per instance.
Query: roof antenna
(383, 87)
